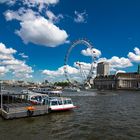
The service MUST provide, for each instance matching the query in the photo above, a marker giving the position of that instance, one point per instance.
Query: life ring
(30, 110)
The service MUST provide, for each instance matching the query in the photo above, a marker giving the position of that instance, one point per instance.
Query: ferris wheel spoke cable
(85, 77)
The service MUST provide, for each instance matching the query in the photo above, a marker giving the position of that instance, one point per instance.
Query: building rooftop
(105, 77)
(103, 63)
(129, 75)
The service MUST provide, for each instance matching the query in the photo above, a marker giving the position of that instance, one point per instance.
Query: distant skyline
(36, 34)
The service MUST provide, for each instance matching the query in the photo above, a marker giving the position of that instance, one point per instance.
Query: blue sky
(41, 31)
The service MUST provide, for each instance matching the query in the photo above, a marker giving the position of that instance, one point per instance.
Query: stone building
(105, 82)
(103, 69)
(128, 81)
(118, 81)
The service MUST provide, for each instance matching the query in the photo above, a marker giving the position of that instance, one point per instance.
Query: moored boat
(60, 104)
(54, 103)
(48, 91)
(35, 98)
(72, 89)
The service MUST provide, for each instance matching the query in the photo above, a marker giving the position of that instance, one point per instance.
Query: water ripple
(107, 116)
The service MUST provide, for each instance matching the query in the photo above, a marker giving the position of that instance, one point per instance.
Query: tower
(103, 69)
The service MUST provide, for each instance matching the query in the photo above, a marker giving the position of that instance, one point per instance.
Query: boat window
(33, 98)
(54, 103)
(60, 102)
(69, 101)
(46, 102)
(39, 98)
(65, 101)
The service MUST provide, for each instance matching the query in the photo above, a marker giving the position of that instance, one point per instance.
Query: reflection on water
(100, 116)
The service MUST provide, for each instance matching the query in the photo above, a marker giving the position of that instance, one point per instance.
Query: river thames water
(99, 116)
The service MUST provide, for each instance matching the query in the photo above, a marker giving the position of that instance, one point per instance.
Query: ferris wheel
(85, 75)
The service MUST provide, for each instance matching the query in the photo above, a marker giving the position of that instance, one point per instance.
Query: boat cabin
(60, 103)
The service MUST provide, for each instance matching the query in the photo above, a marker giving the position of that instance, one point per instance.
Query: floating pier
(15, 105)
(26, 103)
(19, 110)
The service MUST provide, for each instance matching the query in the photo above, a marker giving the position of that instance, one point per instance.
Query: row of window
(61, 103)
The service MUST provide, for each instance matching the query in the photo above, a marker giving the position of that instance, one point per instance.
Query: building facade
(128, 81)
(105, 82)
(118, 81)
(103, 69)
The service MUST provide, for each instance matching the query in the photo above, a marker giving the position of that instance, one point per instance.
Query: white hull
(72, 89)
(47, 91)
(62, 107)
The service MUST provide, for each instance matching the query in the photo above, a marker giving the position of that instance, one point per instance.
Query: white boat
(35, 98)
(54, 103)
(60, 104)
(47, 91)
(72, 89)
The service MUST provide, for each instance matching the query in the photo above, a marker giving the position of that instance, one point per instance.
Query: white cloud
(53, 18)
(60, 71)
(10, 15)
(4, 50)
(58, 75)
(91, 52)
(23, 55)
(134, 57)
(42, 32)
(38, 2)
(137, 51)
(120, 62)
(120, 71)
(116, 62)
(9, 2)
(23, 75)
(80, 17)
(21, 71)
(11, 62)
(3, 1)
(78, 73)
(3, 70)
(36, 29)
(5, 57)
(8, 63)
(102, 59)
(82, 65)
